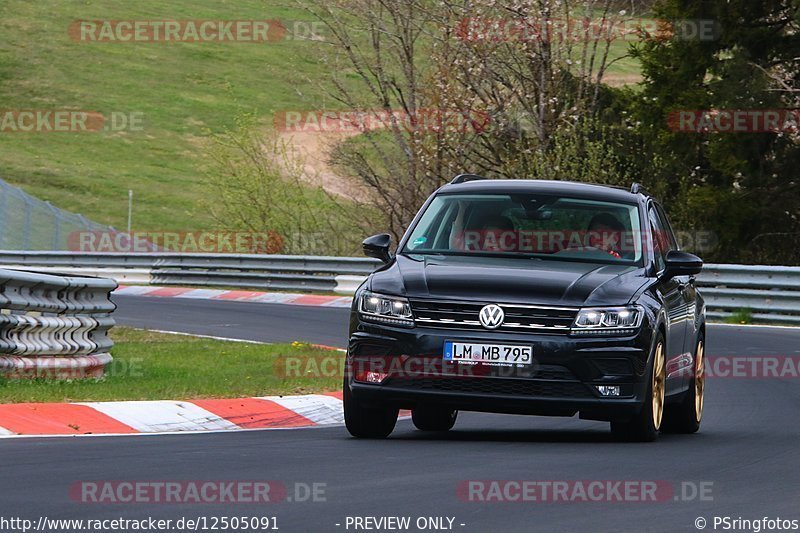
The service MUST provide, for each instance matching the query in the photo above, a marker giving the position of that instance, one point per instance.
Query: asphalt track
(748, 450)
(239, 320)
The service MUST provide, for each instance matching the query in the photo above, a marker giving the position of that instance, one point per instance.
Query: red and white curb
(238, 296)
(165, 416)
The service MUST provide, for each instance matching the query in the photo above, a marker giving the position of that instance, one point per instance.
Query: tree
(259, 185)
(379, 68)
(522, 78)
(741, 186)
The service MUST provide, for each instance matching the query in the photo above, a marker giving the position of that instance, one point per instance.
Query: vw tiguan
(529, 297)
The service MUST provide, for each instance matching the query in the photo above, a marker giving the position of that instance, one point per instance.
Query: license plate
(489, 354)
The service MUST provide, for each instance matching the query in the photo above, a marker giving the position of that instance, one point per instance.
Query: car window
(514, 225)
(669, 233)
(658, 239)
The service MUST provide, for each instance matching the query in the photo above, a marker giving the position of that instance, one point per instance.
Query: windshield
(529, 225)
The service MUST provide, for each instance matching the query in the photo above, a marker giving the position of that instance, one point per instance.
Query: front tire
(367, 422)
(644, 427)
(685, 417)
(428, 418)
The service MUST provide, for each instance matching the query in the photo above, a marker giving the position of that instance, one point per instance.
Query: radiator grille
(518, 318)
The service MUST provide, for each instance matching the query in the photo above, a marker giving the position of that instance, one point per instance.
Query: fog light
(608, 390)
(368, 376)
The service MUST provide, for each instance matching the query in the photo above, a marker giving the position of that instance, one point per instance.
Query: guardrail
(770, 294)
(54, 326)
(270, 272)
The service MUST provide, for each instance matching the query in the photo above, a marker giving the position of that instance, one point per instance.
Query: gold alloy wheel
(659, 378)
(699, 381)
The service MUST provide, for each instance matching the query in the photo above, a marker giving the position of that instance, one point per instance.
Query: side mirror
(682, 264)
(378, 246)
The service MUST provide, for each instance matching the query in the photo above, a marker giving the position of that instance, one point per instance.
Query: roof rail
(463, 178)
(637, 188)
(596, 184)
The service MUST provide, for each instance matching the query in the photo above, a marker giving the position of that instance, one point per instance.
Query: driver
(495, 231)
(605, 233)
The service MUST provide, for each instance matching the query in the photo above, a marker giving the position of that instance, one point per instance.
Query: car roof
(566, 188)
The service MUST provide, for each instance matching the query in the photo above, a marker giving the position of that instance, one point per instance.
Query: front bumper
(562, 381)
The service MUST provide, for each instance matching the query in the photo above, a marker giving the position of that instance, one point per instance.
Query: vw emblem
(492, 316)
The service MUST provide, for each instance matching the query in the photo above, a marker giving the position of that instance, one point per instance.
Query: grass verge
(182, 91)
(742, 316)
(160, 366)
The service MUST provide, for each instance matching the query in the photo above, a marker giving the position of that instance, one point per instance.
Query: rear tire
(685, 417)
(644, 427)
(367, 422)
(427, 418)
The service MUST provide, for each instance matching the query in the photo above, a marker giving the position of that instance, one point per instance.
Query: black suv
(529, 297)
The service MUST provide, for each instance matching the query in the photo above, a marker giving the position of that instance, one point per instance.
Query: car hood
(509, 280)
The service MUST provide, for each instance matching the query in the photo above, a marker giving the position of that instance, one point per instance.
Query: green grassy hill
(183, 90)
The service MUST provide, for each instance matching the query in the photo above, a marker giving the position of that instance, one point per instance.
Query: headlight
(608, 320)
(392, 310)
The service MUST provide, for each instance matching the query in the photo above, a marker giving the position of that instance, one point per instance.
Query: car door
(671, 293)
